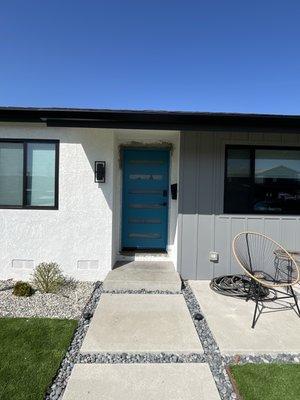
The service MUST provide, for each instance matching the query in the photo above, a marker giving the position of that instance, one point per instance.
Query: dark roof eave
(132, 119)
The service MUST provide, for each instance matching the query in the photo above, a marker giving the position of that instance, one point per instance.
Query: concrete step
(147, 275)
(140, 256)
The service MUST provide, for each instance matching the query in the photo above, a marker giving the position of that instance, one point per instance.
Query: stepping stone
(141, 381)
(148, 275)
(141, 323)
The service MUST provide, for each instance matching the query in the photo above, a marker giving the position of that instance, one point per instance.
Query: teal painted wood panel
(145, 199)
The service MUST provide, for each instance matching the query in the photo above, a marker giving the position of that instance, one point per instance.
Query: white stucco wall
(87, 225)
(82, 227)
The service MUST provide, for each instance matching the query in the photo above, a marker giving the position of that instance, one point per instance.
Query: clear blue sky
(229, 55)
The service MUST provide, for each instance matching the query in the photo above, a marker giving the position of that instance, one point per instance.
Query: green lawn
(30, 353)
(267, 381)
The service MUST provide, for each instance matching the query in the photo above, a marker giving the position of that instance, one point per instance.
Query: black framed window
(29, 173)
(262, 180)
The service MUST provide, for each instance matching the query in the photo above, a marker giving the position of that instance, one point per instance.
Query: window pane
(238, 163)
(238, 178)
(40, 174)
(11, 174)
(277, 181)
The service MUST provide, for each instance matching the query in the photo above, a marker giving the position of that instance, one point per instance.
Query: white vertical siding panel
(255, 224)
(222, 245)
(272, 228)
(288, 232)
(297, 235)
(238, 224)
(205, 245)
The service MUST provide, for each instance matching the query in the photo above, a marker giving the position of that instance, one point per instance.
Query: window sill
(262, 214)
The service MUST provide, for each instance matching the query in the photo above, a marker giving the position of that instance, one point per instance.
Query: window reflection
(11, 174)
(262, 180)
(277, 181)
(237, 188)
(41, 174)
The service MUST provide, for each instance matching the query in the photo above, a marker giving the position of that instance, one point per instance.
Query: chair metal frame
(255, 290)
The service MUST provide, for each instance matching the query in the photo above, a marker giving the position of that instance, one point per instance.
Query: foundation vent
(87, 264)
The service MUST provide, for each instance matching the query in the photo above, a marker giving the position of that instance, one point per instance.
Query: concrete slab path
(148, 275)
(276, 331)
(141, 381)
(141, 323)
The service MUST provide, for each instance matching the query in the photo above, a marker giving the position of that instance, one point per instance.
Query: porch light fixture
(100, 167)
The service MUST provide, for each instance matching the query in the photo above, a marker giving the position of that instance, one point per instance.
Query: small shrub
(22, 289)
(48, 278)
(70, 283)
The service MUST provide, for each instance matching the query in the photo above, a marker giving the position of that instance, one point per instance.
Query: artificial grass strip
(31, 351)
(267, 381)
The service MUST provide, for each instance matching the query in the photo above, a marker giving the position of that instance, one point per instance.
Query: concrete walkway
(148, 275)
(141, 381)
(276, 331)
(142, 324)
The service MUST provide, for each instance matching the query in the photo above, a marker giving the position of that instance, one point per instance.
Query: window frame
(25, 143)
(252, 149)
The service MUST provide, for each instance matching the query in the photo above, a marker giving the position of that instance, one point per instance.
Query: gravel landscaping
(68, 303)
(211, 350)
(212, 355)
(282, 358)
(129, 358)
(57, 388)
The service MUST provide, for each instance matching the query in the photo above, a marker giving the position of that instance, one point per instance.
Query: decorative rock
(67, 303)
(212, 355)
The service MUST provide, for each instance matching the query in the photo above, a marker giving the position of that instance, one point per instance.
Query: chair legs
(255, 293)
(249, 291)
(296, 300)
(256, 298)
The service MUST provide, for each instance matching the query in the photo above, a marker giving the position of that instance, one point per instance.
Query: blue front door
(145, 199)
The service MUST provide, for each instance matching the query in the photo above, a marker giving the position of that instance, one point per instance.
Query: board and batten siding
(202, 225)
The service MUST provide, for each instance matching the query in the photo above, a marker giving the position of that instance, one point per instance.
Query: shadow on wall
(98, 145)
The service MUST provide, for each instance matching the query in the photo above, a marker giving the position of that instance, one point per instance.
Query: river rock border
(211, 350)
(216, 361)
(57, 388)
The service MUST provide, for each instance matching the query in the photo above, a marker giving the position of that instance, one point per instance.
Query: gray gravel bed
(211, 350)
(56, 390)
(68, 303)
(129, 358)
(282, 358)
(217, 362)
